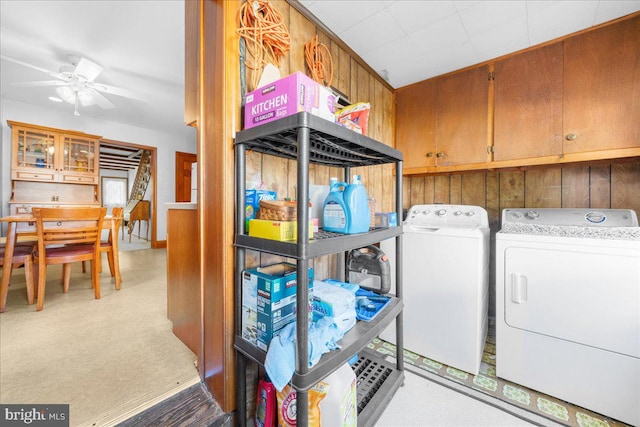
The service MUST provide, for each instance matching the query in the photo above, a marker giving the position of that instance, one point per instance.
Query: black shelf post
(302, 297)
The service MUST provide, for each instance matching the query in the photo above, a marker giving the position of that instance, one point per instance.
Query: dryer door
(590, 296)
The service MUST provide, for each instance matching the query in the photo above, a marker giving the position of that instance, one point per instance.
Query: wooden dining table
(24, 225)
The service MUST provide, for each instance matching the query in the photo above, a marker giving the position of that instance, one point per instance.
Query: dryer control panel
(454, 216)
(571, 217)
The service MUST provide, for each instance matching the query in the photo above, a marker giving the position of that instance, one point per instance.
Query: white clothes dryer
(445, 272)
(568, 306)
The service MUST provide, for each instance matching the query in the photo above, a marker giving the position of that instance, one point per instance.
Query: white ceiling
(409, 41)
(140, 43)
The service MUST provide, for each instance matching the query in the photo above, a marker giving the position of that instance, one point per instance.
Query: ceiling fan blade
(34, 67)
(88, 69)
(41, 83)
(111, 90)
(101, 100)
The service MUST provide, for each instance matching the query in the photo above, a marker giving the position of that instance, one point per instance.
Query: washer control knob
(426, 212)
(516, 215)
(532, 215)
(457, 213)
(470, 213)
(441, 212)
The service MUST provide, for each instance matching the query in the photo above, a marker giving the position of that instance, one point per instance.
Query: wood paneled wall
(354, 81)
(614, 185)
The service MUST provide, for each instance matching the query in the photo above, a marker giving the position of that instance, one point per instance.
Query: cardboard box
(287, 96)
(252, 201)
(250, 311)
(276, 298)
(278, 230)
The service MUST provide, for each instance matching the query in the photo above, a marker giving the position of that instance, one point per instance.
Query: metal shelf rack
(309, 139)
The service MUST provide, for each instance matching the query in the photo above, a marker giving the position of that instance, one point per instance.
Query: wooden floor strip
(193, 406)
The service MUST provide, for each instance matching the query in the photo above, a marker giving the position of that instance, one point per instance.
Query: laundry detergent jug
(357, 207)
(334, 211)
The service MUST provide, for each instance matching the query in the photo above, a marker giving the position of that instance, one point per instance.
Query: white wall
(167, 145)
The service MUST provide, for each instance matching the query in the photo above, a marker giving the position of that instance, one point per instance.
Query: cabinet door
(33, 155)
(79, 162)
(528, 104)
(416, 124)
(602, 88)
(462, 117)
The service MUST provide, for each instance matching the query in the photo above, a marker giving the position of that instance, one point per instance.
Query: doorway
(183, 176)
(122, 157)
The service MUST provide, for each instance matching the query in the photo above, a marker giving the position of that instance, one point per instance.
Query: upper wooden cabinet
(52, 155)
(574, 100)
(443, 122)
(528, 104)
(462, 117)
(416, 124)
(602, 88)
(572, 97)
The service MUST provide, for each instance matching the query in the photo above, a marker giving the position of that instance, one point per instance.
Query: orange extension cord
(319, 61)
(266, 37)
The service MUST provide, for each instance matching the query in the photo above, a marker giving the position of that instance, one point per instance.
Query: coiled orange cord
(265, 35)
(319, 61)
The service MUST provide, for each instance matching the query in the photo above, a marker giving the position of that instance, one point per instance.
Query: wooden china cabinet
(52, 167)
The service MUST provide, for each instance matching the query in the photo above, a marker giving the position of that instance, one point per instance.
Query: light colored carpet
(107, 357)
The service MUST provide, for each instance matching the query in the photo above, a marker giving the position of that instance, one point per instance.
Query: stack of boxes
(269, 301)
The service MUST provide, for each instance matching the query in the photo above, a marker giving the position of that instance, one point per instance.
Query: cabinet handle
(440, 155)
(430, 154)
(571, 137)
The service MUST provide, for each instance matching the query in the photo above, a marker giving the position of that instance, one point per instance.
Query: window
(114, 192)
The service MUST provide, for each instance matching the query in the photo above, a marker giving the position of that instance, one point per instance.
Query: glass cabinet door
(36, 150)
(79, 155)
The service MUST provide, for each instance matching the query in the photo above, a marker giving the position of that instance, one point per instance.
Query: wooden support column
(218, 112)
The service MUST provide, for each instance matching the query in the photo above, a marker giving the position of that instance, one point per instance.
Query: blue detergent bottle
(334, 210)
(355, 199)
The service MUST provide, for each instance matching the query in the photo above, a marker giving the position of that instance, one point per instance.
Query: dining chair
(22, 256)
(107, 246)
(67, 235)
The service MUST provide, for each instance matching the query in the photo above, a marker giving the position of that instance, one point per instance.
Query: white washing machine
(568, 306)
(445, 283)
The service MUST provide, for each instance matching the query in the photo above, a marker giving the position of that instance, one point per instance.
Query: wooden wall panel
(406, 192)
(593, 186)
(493, 199)
(442, 189)
(429, 191)
(274, 174)
(301, 30)
(416, 194)
(600, 187)
(575, 187)
(511, 191)
(543, 188)
(473, 189)
(455, 186)
(625, 186)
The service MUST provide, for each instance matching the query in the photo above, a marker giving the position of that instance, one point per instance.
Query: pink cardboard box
(288, 96)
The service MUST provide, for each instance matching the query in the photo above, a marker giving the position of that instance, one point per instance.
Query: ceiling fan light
(67, 94)
(85, 98)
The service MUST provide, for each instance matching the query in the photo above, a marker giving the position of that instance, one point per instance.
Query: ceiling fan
(76, 83)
